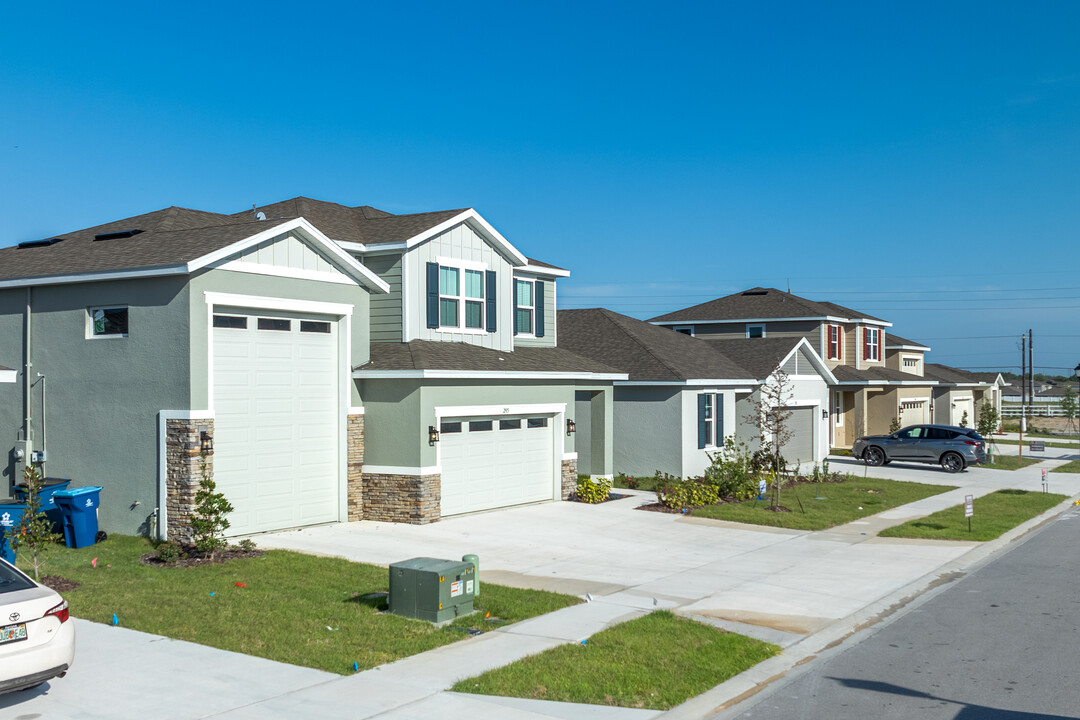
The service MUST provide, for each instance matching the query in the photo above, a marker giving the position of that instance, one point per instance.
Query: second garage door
(800, 448)
(495, 462)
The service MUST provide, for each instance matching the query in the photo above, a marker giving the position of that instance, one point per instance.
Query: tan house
(880, 378)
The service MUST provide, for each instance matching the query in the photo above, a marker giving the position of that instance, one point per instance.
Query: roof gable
(763, 304)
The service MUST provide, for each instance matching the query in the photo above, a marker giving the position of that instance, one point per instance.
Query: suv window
(940, 434)
(911, 433)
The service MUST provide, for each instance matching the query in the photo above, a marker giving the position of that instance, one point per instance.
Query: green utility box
(432, 589)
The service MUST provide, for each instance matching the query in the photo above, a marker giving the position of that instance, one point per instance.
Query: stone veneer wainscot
(183, 473)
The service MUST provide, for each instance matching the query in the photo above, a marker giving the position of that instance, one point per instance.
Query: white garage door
(495, 462)
(913, 412)
(276, 420)
(800, 448)
(960, 407)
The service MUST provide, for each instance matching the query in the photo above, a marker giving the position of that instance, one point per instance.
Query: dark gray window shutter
(701, 439)
(513, 290)
(492, 290)
(539, 319)
(719, 413)
(433, 295)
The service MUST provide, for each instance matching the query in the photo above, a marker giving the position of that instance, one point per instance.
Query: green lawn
(1009, 462)
(995, 514)
(824, 505)
(1069, 467)
(654, 662)
(296, 608)
(1067, 446)
(840, 451)
(647, 482)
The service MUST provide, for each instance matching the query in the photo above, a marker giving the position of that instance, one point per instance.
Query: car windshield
(11, 580)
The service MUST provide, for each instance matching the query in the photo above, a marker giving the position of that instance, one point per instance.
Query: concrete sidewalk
(797, 589)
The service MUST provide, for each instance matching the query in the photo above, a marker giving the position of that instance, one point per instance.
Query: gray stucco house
(334, 363)
(684, 396)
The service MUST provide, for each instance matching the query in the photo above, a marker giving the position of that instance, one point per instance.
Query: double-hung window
(460, 298)
(835, 342)
(449, 294)
(474, 299)
(871, 344)
(524, 299)
(710, 420)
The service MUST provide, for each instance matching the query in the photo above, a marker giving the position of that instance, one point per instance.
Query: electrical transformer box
(432, 589)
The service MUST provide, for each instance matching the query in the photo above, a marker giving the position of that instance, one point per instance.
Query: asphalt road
(1002, 643)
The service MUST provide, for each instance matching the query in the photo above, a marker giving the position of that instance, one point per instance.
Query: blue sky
(917, 161)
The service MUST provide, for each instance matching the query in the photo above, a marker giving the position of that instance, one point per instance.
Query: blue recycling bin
(45, 500)
(10, 514)
(79, 507)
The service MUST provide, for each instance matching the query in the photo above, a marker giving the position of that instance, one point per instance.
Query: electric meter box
(432, 589)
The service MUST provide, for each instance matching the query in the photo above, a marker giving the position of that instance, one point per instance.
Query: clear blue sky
(914, 160)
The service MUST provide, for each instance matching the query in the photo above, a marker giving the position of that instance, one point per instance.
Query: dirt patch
(872, 491)
(778, 508)
(193, 558)
(657, 507)
(58, 583)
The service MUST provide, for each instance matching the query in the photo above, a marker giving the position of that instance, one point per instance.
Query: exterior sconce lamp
(432, 435)
(571, 426)
(206, 440)
(824, 413)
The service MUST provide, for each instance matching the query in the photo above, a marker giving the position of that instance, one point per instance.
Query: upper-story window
(755, 331)
(836, 343)
(460, 298)
(529, 307)
(684, 329)
(871, 344)
(107, 322)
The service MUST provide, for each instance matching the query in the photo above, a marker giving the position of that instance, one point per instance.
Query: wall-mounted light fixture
(571, 426)
(825, 413)
(206, 440)
(432, 435)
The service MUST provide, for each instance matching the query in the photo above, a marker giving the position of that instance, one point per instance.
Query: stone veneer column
(569, 478)
(184, 472)
(413, 499)
(355, 483)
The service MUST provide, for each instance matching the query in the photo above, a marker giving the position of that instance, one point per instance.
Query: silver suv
(954, 448)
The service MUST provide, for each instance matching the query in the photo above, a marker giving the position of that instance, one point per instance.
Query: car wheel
(952, 463)
(874, 456)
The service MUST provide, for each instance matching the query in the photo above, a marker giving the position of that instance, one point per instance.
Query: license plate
(13, 633)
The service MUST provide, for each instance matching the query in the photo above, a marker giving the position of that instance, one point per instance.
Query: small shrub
(209, 520)
(247, 545)
(894, 425)
(676, 493)
(592, 490)
(168, 552)
(734, 470)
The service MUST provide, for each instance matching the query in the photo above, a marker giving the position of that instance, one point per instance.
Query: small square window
(480, 426)
(274, 324)
(312, 326)
(755, 331)
(106, 322)
(449, 427)
(509, 424)
(537, 422)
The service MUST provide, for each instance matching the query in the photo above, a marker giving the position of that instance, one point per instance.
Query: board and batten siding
(386, 308)
(549, 315)
(460, 242)
(800, 364)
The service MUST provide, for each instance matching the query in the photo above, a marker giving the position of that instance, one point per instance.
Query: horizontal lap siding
(549, 318)
(386, 308)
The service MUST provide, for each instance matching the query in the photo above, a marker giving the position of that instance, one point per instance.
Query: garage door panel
(800, 447)
(276, 398)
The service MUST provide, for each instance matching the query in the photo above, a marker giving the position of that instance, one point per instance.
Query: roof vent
(756, 292)
(40, 243)
(117, 235)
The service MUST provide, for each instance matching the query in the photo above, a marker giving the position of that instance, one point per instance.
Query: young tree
(1069, 406)
(770, 414)
(208, 520)
(989, 419)
(964, 419)
(34, 529)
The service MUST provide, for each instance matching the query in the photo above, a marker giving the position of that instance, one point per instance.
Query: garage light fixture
(571, 427)
(432, 435)
(825, 413)
(206, 440)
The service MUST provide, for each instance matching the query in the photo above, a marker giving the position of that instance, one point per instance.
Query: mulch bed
(58, 583)
(193, 558)
(611, 496)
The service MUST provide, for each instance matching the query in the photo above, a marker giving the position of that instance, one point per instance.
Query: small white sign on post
(969, 505)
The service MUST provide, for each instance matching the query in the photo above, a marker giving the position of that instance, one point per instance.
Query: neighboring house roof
(947, 374)
(167, 237)
(762, 304)
(895, 342)
(646, 352)
(760, 356)
(847, 375)
(431, 357)
(991, 377)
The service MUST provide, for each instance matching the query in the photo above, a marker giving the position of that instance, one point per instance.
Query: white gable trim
(362, 374)
(815, 359)
(541, 270)
(473, 219)
(277, 271)
(725, 321)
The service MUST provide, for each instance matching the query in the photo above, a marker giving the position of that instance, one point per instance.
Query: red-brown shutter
(866, 343)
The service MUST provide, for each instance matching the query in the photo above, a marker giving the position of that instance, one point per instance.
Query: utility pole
(1031, 372)
(1023, 394)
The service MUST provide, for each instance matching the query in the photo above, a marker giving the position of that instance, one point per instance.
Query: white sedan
(37, 637)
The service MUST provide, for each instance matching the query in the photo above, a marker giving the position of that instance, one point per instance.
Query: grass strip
(1069, 467)
(1066, 446)
(1008, 462)
(655, 662)
(995, 514)
(295, 608)
(816, 506)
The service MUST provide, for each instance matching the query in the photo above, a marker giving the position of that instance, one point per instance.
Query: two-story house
(874, 385)
(321, 362)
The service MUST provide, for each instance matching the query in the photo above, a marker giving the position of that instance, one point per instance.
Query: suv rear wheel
(874, 455)
(952, 463)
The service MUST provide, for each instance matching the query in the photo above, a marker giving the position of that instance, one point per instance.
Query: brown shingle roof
(645, 351)
(947, 374)
(761, 302)
(761, 356)
(434, 355)
(846, 373)
(892, 340)
(169, 237)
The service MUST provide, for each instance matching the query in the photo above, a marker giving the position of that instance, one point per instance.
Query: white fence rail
(1036, 410)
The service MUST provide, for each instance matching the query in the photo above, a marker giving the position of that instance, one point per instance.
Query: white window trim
(532, 308)
(710, 421)
(755, 325)
(90, 322)
(839, 342)
(876, 345)
(838, 409)
(680, 328)
(461, 266)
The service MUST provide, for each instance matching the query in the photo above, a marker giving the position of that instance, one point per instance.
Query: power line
(845, 292)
